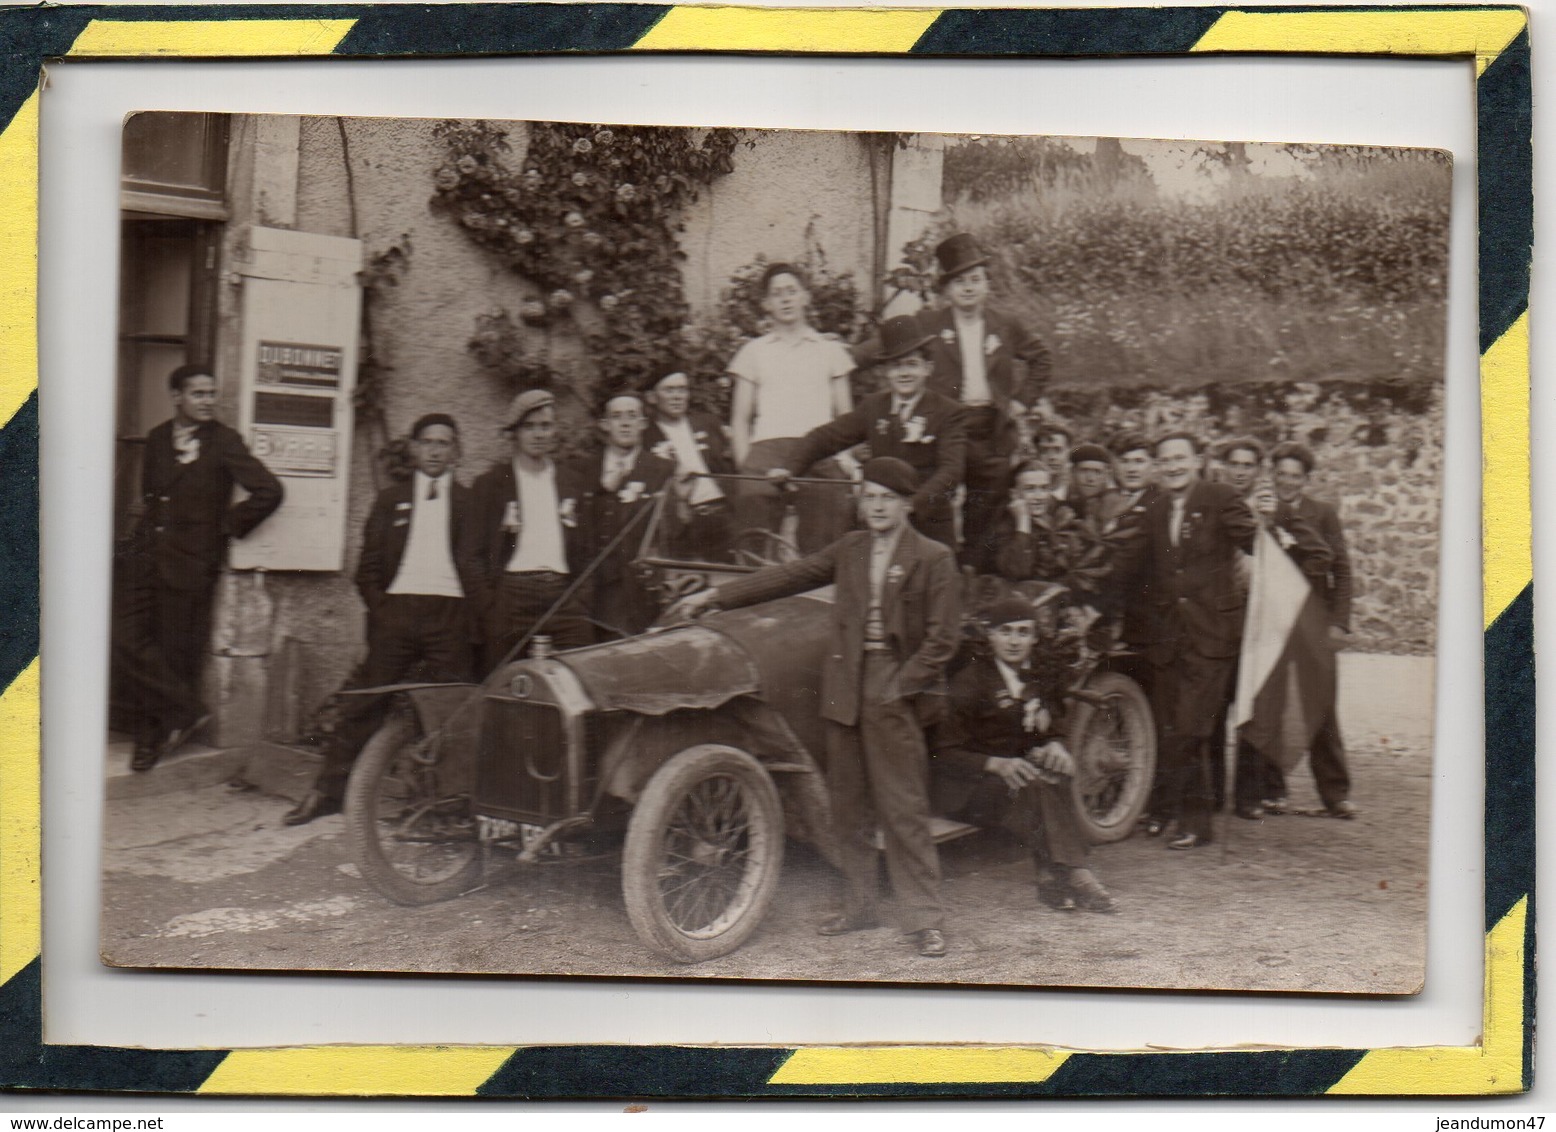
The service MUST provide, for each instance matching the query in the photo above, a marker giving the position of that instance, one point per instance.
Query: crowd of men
(939, 476)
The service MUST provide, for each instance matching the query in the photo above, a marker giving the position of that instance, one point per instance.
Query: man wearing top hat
(907, 421)
(896, 620)
(699, 445)
(620, 483)
(420, 575)
(534, 545)
(990, 363)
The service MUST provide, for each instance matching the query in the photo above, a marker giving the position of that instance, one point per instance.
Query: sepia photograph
(587, 549)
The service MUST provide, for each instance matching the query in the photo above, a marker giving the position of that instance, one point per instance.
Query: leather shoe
(181, 735)
(1055, 893)
(144, 757)
(1090, 895)
(313, 805)
(1188, 841)
(931, 944)
(1344, 809)
(1154, 827)
(842, 925)
(1249, 813)
(1276, 806)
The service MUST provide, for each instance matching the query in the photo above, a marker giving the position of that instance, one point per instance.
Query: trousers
(159, 643)
(878, 773)
(521, 600)
(1186, 696)
(409, 637)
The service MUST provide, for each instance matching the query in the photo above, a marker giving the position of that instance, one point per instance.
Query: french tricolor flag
(1286, 675)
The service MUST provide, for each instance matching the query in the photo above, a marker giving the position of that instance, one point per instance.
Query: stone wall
(1379, 451)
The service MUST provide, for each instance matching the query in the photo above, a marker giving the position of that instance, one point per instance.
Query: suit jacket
(986, 721)
(711, 437)
(1016, 361)
(1046, 552)
(921, 604)
(496, 488)
(1336, 584)
(1192, 600)
(188, 513)
(388, 528)
(933, 443)
(607, 513)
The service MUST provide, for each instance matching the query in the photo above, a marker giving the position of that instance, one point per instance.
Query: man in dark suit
(1184, 558)
(534, 541)
(698, 444)
(621, 483)
(988, 362)
(999, 759)
(905, 421)
(1292, 465)
(172, 561)
(419, 576)
(896, 620)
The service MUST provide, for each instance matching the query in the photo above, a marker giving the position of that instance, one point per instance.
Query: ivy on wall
(590, 217)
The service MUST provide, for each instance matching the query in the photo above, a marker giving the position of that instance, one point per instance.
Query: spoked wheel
(1114, 744)
(412, 834)
(704, 849)
(758, 546)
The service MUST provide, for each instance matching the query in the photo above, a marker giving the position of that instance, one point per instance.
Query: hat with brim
(957, 254)
(525, 404)
(891, 473)
(900, 336)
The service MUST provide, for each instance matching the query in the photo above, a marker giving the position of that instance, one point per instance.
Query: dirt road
(208, 877)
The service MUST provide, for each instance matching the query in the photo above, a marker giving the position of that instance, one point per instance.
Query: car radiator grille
(523, 771)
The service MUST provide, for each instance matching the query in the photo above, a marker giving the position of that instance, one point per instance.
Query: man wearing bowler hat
(906, 421)
(896, 620)
(990, 363)
(534, 544)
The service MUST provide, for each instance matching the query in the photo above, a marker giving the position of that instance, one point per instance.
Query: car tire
(412, 841)
(703, 854)
(1114, 745)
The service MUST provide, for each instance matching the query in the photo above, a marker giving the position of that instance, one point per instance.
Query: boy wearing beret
(1000, 760)
(896, 620)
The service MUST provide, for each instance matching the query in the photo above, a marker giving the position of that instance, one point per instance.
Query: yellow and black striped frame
(1494, 37)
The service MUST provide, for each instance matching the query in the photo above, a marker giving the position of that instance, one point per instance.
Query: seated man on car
(999, 760)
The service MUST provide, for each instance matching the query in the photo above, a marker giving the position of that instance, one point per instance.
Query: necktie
(1175, 524)
(432, 489)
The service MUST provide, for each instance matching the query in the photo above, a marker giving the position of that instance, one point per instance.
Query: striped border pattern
(1495, 37)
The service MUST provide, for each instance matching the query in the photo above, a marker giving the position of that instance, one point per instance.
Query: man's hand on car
(693, 606)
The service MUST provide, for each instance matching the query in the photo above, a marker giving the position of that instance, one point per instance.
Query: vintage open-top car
(701, 742)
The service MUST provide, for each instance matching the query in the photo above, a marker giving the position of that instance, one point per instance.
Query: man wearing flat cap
(1000, 760)
(896, 620)
(534, 544)
(1092, 495)
(907, 421)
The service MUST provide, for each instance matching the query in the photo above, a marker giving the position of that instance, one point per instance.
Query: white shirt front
(539, 543)
(688, 458)
(1013, 682)
(793, 381)
(975, 376)
(427, 565)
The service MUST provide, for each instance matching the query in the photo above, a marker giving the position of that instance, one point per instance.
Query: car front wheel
(704, 849)
(1113, 740)
(412, 834)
